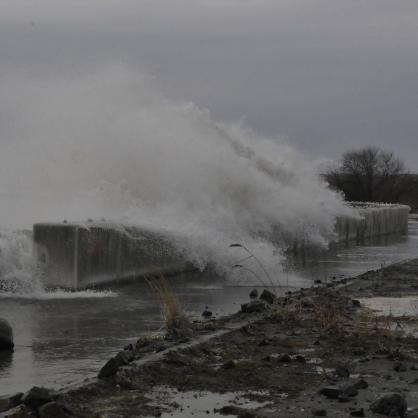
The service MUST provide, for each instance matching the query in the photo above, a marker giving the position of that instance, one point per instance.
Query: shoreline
(273, 362)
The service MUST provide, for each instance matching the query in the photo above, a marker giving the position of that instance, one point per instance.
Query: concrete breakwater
(80, 255)
(374, 220)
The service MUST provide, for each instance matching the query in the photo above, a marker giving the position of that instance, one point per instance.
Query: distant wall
(375, 219)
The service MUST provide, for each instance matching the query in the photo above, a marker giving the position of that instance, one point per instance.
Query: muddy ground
(315, 352)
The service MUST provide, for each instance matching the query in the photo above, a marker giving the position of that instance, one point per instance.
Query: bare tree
(369, 174)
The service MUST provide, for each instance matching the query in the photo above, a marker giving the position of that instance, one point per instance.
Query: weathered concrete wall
(374, 220)
(79, 255)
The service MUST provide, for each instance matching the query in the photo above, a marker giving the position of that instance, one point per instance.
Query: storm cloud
(328, 75)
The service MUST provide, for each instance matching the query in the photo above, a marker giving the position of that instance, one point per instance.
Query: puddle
(403, 306)
(203, 404)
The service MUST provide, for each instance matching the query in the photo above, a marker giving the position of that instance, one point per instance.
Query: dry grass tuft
(172, 311)
(328, 317)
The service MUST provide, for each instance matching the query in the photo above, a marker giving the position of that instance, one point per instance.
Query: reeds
(250, 256)
(172, 311)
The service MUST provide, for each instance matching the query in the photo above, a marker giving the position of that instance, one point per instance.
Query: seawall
(375, 219)
(81, 255)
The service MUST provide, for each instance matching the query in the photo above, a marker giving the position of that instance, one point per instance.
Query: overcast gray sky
(328, 74)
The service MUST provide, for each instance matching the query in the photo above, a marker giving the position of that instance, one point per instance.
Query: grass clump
(176, 321)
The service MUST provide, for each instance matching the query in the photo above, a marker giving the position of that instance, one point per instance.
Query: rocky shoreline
(314, 352)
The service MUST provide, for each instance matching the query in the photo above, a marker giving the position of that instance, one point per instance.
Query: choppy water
(61, 337)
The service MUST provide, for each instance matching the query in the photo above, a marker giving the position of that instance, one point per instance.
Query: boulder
(16, 412)
(36, 397)
(350, 391)
(342, 371)
(6, 335)
(361, 384)
(207, 313)
(9, 402)
(268, 296)
(52, 410)
(109, 369)
(230, 364)
(254, 294)
(253, 306)
(123, 358)
(284, 358)
(390, 405)
(331, 392)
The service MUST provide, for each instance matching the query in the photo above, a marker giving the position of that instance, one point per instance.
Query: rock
(342, 371)
(142, 343)
(319, 412)
(253, 306)
(318, 281)
(109, 369)
(36, 397)
(357, 413)
(52, 410)
(207, 313)
(356, 303)
(344, 398)
(350, 391)
(230, 364)
(399, 367)
(307, 302)
(331, 392)
(300, 359)
(124, 357)
(361, 384)
(236, 411)
(271, 357)
(9, 402)
(284, 358)
(6, 335)
(268, 296)
(391, 405)
(16, 412)
(254, 294)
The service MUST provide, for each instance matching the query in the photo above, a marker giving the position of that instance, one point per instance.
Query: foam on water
(58, 294)
(18, 273)
(110, 145)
